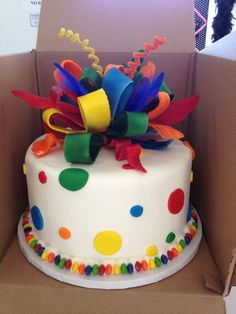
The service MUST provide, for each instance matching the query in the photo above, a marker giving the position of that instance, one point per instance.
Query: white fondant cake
(103, 214)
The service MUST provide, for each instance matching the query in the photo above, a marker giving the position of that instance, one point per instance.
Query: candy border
(116, 269)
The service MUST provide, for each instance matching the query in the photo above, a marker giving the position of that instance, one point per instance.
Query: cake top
(127, 107)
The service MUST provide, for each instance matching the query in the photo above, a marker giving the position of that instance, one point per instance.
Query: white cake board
(112, 282)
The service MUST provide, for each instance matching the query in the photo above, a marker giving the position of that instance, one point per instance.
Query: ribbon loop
(90, 79)
(49, 113)
(95, 110)
(128, 124)
(82, 148)
(118, 88)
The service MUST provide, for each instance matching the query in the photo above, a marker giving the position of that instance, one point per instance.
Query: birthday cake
(109, 182)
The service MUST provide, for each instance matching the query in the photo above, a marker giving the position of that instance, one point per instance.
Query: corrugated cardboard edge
(36, 72)
(229, 280)
(20, 125)
(213, 283)
(217, 209)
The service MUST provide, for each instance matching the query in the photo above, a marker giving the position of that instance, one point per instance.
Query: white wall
(18, 25)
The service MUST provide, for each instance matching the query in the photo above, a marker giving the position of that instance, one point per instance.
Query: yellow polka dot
(151, 250)
(24, 169)
(64, 233)
(191, 176)
(116, 269)
(151, 264)
(107, 242)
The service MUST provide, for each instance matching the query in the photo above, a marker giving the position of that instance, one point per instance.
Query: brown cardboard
(215, 167)
(172, 63)
(25, 289)
(19, 126)
(109, 25)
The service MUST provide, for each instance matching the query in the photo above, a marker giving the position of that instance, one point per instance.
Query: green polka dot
(170, 238)
(73, 179)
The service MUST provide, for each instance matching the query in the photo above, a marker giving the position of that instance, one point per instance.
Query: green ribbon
(82, 148)
(90, 79)
(165, 88)
(128, 124)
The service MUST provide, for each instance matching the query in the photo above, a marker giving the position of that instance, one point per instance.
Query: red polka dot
(176, 201)
(42, 177)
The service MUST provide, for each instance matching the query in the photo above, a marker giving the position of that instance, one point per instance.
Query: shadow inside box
(24, 287)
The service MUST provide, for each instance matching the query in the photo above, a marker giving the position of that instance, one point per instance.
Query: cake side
(117, 215)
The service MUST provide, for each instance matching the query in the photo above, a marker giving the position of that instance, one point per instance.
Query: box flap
(117, 26)
(213, 131)
(19, 126)
(182, 293)
(182, 63)
(224, 48)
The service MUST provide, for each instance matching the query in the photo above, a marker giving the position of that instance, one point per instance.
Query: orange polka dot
(64, 233)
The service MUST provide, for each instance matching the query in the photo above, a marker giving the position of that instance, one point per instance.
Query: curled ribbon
(75, 37)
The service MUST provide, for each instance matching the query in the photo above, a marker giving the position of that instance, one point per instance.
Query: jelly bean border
(108, 269)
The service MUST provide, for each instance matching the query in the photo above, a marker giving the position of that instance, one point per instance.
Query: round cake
(109, 182)
(101, 214)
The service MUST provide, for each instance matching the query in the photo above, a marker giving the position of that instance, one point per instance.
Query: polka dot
(37, 218)
(170, 237)
(151, 250)
(42, 177)
(176, 201)
(64, 233)
(107, 242)
(136, 211)
(73, 179)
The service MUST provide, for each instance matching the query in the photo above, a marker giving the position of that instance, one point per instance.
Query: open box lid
(212, 130)
(130, 22)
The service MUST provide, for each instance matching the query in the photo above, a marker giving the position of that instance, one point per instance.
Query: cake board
(112, 282)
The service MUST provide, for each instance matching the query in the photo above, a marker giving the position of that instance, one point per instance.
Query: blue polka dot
(189, 213)
(37, 218)
(136, 211)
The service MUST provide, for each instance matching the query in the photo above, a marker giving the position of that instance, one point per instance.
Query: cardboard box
(116, 29)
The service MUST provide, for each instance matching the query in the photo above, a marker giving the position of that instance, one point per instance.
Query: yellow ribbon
(46, 119)
(95, 111)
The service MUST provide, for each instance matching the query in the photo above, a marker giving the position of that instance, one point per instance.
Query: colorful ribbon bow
(126, 110)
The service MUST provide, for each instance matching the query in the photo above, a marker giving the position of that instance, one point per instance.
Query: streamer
(75, 38)
(133, 65)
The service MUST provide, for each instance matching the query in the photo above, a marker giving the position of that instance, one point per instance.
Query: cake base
(112, 282)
